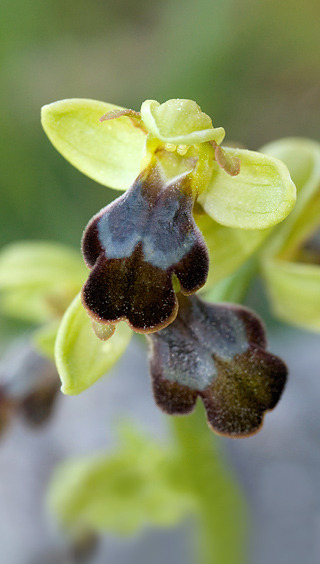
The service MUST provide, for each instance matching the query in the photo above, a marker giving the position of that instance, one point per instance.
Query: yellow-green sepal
(302, 157)
(81, 357)
(294, 291)
(260, 196)
(109, 152)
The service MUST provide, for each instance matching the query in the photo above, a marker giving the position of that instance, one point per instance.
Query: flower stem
(223, 514)
(221, 534)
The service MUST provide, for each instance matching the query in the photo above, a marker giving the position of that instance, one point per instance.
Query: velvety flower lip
(217, 352)
(136, 245)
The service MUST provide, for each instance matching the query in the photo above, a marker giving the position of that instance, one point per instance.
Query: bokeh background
(255, 68)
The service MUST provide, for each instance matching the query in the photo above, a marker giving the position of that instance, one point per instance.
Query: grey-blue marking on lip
(187, 356)
(160, 218)
(225, 331)
(185, 365)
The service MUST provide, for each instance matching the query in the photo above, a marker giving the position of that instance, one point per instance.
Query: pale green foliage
(293, 285)
(39, 279)
(260, 196)
(143, 484)
(180, 122)
(108, 152)
(119, 492)
(81, 357)
(302, 157)
(294, 291)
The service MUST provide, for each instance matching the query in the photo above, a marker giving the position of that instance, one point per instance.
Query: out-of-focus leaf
(294, 291)
(39, 279)
(109, 152)
(260, 196)
(25, 263)
(119, 492)
(294, 285)
(302, 157)
(81, 357)
(44, 338)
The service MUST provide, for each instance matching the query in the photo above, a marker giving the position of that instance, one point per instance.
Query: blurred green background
(253, 66)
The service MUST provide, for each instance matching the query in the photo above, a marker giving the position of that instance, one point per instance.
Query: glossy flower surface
(216, 352)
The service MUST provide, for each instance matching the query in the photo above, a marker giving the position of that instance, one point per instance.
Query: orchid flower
(147, 255)
(169, 157)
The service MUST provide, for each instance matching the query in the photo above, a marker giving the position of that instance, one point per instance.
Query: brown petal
(217, 352)
(173, 398)
(243, 392)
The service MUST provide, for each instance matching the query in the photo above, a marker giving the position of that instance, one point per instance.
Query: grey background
(278, 468)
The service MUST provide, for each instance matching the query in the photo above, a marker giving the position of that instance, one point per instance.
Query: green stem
(222, 512)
